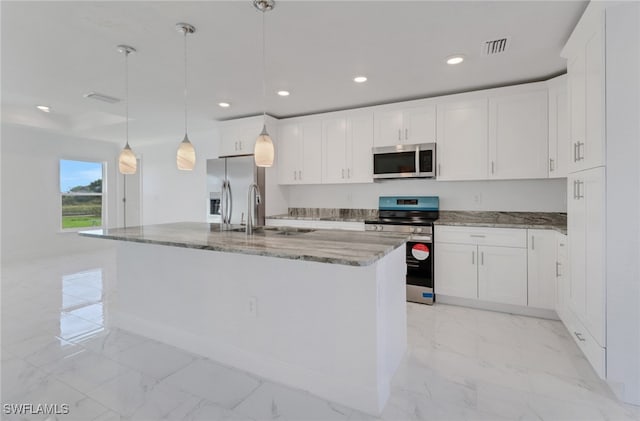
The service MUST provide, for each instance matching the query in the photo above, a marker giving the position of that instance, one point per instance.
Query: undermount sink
(275, 230)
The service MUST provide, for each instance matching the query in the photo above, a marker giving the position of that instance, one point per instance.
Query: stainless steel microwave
(405, 161)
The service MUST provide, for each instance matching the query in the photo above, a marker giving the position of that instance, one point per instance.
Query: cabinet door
(576, 223)
(502, 275)
(541, 268)
(577, 108)
(462, 140)
(388, 128)
(456, 270)
(229, 140)
(562, 275)
(591, 152)
(592, 192)
(310, 169)
(419, 125)
(359, 144)
(247, 136)
(518, 135)
(288, 150)
(334, 149)
(559, 129)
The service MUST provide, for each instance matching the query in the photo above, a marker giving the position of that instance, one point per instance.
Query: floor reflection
(82, 312)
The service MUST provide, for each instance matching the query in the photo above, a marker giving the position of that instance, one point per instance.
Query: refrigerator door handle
(223, 205)
(229, 202)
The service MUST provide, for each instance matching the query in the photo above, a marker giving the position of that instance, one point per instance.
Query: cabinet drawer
(504, 237)
(595, 354)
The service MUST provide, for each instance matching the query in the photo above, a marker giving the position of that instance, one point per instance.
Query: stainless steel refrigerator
(228, 181)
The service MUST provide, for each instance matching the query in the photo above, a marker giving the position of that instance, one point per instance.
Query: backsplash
(330, 213)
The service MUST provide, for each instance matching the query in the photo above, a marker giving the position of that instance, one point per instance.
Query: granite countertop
(328, 214)
(353, 248)
(540, 220)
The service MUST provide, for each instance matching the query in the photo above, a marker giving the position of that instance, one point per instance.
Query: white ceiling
(54, 52)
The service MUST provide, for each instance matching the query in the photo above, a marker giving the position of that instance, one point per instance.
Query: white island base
(337, 331)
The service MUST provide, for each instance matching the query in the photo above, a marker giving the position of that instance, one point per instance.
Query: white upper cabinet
(585, 65)
(395, 126)
(462, 139)
(299, 148)
(238, 137)
(558, 127)
(347, 139)
(518, 132)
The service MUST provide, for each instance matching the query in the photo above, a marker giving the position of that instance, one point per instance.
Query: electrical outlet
(253, 307)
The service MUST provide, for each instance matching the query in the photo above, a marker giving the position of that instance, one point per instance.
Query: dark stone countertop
(533, 220)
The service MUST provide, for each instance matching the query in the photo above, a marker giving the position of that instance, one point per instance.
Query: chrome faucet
(253, 202)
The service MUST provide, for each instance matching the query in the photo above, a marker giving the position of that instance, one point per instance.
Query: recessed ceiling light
(44, 108)
(360, 79)
(224, 104)
(457, 59)
(283, 93)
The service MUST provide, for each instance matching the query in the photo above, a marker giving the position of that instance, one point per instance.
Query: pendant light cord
(185, 81)
(126, 92)
(264, 72)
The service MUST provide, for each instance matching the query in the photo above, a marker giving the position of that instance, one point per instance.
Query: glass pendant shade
(263, 152)
(127, 162)
(186, 156)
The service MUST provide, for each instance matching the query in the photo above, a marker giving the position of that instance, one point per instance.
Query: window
(81, 194)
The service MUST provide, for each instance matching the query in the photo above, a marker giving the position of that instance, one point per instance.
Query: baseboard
(503, 308)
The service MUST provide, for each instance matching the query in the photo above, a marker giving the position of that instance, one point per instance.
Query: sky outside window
(78, 173)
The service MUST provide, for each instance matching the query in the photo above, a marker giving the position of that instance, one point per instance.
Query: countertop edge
(248, 251)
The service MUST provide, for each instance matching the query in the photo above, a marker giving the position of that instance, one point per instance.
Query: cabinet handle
(295, 176)
(406, 134)
(576, 152)
(399, 135)
(578, 184)
(482, 258)
(533, 242)
(476, 235)
(343, 173)
(579, 336)
(473, 257)
(575, 196)
(299, 174)
(240, 143)
(493, 167)
(348, 172)
(551, 167)
(557, 269)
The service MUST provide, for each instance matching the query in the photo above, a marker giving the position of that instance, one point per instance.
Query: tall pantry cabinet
(601, 308)
(586, 318)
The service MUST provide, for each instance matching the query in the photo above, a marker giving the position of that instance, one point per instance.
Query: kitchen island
(319, 310)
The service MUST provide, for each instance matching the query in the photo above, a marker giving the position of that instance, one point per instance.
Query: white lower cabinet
(456, 271)
(502, 275)
(488, 264)
(542, 268)
(562, 275)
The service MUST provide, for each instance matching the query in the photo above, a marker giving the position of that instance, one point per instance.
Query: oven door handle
(421, 238)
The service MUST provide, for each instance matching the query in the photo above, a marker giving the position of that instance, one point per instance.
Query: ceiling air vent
(102, 97)
(495, 46)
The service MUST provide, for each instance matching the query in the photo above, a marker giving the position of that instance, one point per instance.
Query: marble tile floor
(462, 364)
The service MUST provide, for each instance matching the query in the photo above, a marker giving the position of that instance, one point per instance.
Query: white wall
(31, 195)
(170, 195)
(521, 195)
(623, 200)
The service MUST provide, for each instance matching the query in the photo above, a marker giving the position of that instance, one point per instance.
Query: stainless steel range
(414, 215)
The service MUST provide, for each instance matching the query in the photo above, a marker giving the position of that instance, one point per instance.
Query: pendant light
(186, 155)
(263, 151)
(127, 163)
